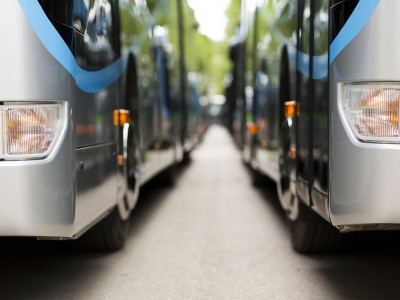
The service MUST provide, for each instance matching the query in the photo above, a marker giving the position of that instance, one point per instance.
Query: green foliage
(205, 57)
(233, 14)
(211, 62)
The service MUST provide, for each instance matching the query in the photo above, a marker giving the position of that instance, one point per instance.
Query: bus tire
(257, 178)
(130, 170)
(312, 234)
(108, 235)
(186, 157)
(168, 176)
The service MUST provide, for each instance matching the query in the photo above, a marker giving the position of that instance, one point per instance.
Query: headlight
(30, 131)
(372, 110)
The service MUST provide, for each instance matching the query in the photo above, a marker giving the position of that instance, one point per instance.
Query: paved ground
(213, 236)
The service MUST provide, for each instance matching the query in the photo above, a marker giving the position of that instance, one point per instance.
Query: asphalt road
(212, 236)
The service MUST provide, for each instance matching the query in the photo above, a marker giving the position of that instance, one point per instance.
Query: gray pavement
(212, 236)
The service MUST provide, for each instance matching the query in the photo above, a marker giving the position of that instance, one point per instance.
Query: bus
(319, 112)
(89, 112)
(178, 19)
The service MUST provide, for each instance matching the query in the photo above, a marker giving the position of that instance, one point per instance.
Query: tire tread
(311, 234)
(108, 235)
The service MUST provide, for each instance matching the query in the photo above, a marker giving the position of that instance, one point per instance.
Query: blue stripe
(303, 63)
(320, 65)
(88, 81)
(358, 19)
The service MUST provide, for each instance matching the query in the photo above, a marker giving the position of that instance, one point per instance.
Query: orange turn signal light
(252, 129)
(121, 117)
(120, 160)
(289, 109)
(292, 153)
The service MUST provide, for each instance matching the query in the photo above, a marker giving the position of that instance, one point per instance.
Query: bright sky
(211, 16)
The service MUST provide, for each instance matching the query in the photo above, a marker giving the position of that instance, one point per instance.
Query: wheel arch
(286, 136)
(130, 140)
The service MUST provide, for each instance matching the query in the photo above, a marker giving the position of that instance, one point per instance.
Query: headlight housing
(372, 110)
(30, 131)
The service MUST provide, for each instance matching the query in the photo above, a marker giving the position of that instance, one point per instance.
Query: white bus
(87, 115)
(319, 84)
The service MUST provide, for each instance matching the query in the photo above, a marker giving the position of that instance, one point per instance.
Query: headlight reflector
(30, 131)
(372, 110)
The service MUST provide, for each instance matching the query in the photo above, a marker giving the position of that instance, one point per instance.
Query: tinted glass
(72, 13)
(339, 14)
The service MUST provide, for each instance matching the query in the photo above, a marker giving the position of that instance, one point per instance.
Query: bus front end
(37, 149)
(364, 120)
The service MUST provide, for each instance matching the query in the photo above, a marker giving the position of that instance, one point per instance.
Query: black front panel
(340, 11)
(67, 15)
(99, 46)
(90, 36)
(59, 11)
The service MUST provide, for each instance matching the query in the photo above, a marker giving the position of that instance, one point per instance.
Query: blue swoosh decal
(320, 65)
(88, 81)
(357, 21)
(303, 63)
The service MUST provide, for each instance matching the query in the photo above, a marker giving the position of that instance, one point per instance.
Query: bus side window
(99, 46)
(72, 13)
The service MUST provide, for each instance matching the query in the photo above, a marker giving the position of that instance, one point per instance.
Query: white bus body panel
(38, 197)
(364, 177)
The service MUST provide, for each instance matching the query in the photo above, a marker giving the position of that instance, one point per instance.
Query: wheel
(168, 177)
(186, 158)
(130, 170)
(311, 234)
(257, 179)
(108, 235)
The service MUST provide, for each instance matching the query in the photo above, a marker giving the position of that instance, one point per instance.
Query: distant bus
(176, 18)
(318, 98)
(87, 116)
